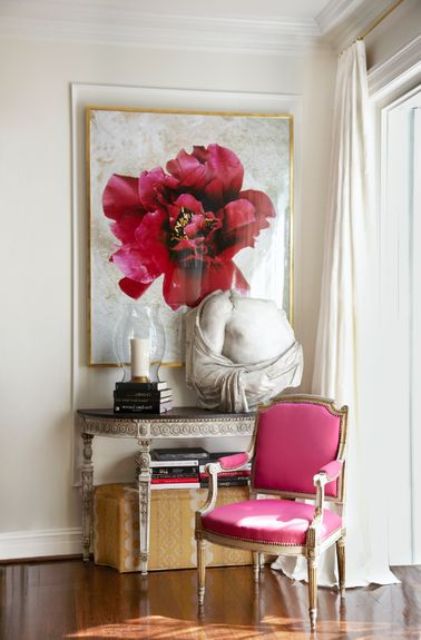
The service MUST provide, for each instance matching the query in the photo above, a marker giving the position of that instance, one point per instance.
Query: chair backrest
(295, 436)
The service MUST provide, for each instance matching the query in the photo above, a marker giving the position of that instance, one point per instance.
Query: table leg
(87, 495)
(144, 482)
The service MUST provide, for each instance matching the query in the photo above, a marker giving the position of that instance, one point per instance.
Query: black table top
(176, 412)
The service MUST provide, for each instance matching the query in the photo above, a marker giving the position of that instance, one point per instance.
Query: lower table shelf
(172, 543)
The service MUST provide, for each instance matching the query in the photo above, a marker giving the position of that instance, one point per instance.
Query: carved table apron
(184, 422)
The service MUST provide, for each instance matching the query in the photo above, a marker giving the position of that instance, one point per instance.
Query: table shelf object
(147, 429)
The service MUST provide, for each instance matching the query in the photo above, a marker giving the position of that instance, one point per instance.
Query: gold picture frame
(127, 141)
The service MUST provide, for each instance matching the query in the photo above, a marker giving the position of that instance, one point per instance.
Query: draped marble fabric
(254, 331)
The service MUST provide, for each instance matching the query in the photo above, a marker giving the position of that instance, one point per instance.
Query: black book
(233, 482)
(180, 454)
(154, 398)
(136, 396)
(226, 474)
(227, 482)
(140, 386)
(180, 474)
(144, 407)
(174, 471)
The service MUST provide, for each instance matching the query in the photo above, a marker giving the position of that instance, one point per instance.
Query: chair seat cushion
(268, 521)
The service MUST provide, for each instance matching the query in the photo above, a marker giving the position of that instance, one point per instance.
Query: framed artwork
(182, 204)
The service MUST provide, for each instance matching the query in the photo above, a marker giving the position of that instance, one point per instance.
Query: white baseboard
(43, 543)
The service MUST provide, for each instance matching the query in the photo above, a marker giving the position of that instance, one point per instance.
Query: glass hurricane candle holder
(138, 331)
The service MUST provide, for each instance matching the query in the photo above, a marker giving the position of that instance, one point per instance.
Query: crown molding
(402, 66)
(342, 21)
(125, 22)
(336, 12)
(106, 22)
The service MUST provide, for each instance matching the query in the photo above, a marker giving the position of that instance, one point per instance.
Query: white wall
(37, 398)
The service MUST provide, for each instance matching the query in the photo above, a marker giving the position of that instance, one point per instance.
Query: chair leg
(257, 564)
(201, 570)
(312, 590)
(340, 554)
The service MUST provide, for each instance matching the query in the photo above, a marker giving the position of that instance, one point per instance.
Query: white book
(174, 463)
(176, 485)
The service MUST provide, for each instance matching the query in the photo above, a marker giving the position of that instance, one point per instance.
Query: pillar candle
(139, 357)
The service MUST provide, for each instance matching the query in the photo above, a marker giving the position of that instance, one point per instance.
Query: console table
(183, 422)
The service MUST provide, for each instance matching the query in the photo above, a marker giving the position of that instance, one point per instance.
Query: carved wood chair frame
(313, 547)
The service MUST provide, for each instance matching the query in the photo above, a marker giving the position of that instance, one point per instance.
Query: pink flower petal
(188, 201)
(238, 236)
(120, 197)
(214, 174)
(189, 286)
(262, 203)
(146, 258)
(134, 265)
(151, 240)
(153, 188)
(193, 251)
(188, 249)
(189, 171)
(182, 287)
(239, 213)
(227, 175)
(124, 229)
(132, 288)
(223, 275)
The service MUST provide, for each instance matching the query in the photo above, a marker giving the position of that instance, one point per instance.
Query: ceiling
(274, 26)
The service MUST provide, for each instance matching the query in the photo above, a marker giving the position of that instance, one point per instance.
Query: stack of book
(176, 468)
(142, 397)
(238, 478)
(186, 469)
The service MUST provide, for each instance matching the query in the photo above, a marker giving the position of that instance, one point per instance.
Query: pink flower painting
(187, 223)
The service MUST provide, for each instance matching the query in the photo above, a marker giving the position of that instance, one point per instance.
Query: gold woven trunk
(172, 543)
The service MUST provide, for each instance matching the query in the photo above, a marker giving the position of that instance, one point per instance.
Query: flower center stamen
(209, 224)
(178, 232)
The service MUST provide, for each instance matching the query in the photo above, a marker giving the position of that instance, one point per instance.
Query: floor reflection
(161, 628)
(71, 600)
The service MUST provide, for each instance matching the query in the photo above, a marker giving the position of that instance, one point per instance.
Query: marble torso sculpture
(240, 352)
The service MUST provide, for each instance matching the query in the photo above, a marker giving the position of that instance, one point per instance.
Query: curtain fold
(346, 319)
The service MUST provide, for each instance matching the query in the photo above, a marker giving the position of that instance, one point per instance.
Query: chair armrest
(213, 469)
(226, 463)
(234, 462)
(332, 470)
(326, 474)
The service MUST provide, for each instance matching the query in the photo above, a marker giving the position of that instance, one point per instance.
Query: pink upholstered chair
(297, 454)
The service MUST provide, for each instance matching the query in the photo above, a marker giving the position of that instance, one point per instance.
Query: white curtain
(345, 352)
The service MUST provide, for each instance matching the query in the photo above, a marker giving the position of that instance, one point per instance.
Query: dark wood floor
(65, 599)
